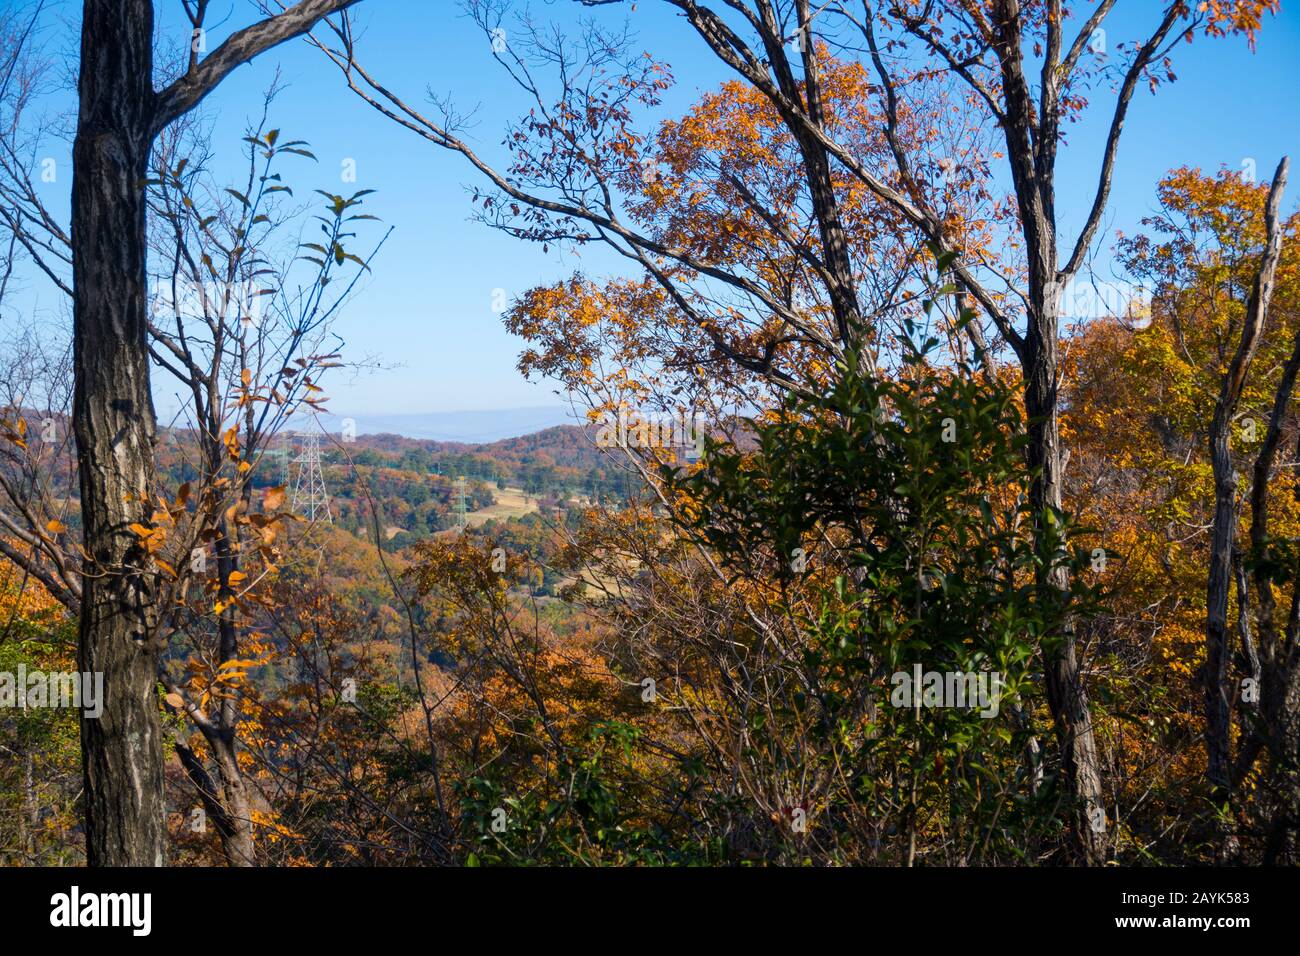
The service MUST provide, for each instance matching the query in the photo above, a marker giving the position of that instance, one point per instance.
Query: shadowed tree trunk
(113, 415)
(1066, 695)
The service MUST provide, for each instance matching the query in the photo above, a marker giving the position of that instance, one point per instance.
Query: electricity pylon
(311, 499)
(462, 513)
(280, 459)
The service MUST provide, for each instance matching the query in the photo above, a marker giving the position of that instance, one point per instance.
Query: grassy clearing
(511, 503)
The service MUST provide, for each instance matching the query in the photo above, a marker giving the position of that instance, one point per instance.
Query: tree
(1218, 706)
(903, 502)
(1164, 416)
(120, 115)
(244, 330)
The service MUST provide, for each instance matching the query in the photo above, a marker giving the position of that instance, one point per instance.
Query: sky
(427, 311)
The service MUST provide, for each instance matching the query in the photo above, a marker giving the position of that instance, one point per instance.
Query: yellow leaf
(274, 498)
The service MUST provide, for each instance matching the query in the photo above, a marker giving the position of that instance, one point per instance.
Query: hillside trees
(867, 501)
(1010, 67)
(39, 764)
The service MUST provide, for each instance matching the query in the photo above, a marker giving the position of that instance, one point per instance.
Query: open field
(511, 503)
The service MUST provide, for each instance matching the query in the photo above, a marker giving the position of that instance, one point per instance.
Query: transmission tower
(462, 513)
(286, 461)
(310, 497)
(280, 459)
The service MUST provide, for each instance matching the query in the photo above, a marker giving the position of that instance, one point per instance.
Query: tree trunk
(237, 844)
(1218, 644)
(1283, 843)
(1218, 647)
(1031, 154)
(29, 817)
(1066, 695)
(122, 754)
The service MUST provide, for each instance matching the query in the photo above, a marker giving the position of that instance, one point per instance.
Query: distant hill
(470, 427)
(413, 479)
(562, 456)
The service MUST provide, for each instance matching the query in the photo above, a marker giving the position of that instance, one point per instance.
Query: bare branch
(203, 76)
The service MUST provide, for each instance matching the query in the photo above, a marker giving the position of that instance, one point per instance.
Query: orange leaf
(274, 498)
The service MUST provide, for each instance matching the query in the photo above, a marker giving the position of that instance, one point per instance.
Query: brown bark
(1033, 173)
(1066, 695)
(113, 416)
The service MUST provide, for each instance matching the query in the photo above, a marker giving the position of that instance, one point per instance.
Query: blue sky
(428, 305)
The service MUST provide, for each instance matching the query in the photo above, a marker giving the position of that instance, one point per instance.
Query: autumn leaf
(274, 498)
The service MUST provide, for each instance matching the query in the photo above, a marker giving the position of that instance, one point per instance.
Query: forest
(923, 508)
